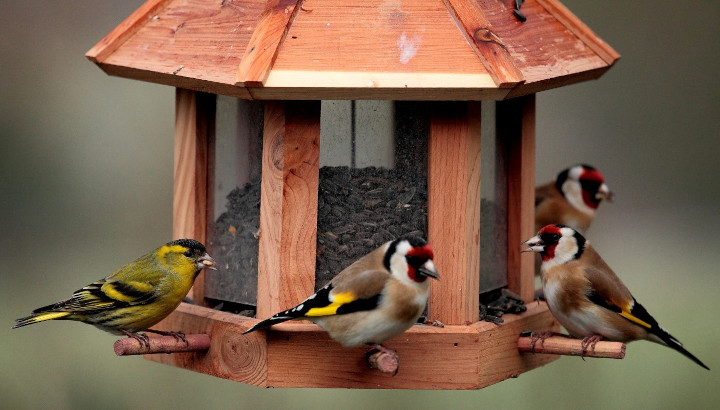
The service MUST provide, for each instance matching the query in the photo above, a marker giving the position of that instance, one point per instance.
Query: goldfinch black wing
(343, 295)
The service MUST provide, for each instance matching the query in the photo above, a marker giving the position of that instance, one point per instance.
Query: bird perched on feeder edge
(571, 199)
(376, 298)
(587, 297)
(136, 296)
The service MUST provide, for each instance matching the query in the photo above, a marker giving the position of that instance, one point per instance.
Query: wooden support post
(572, 347)
(454, 211)
(288, 204)
(516, 127)
(194, 129)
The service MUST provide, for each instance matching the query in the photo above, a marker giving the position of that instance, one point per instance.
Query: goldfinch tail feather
(673, 343)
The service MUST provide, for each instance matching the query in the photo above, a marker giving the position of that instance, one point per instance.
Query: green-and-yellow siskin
(136, 296)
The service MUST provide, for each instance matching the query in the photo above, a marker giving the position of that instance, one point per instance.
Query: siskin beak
(428, 269)
(534, 244)
(205, 261)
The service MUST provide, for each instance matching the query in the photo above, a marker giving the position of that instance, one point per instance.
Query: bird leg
(141, 338)
(541, 336)
(589, 341)
(177, 335)
(381, 358)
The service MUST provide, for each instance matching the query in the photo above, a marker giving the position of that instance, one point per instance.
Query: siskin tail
(39, 317)
(675, 344)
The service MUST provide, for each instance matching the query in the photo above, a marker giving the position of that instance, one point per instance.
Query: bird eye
(188, 253)
(414, 260)
(549, 238)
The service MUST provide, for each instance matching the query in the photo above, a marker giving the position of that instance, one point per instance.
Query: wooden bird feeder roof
(355, 49)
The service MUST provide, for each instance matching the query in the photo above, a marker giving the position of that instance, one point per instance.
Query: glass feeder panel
(235, 197)
(493, 205)
(373, 179)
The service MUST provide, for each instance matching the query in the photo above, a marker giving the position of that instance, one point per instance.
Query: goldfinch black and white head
(587, 297)
(376, 298)
(572, 198)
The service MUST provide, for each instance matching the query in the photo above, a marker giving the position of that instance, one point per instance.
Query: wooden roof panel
(376, 36)
(354, 49)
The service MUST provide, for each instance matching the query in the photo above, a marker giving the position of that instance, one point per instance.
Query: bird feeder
(286, 109)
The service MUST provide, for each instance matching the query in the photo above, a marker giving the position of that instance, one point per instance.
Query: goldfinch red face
(411, 258)
(556, 244)
(584, 187)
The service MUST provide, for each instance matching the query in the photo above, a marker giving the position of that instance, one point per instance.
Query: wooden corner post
(516, 127)
(288, 204)
(194, 129)
(454, 210)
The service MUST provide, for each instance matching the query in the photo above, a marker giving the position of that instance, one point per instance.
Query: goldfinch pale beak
(534, 244)
(205, 261)
(604, 193)
(428, 269)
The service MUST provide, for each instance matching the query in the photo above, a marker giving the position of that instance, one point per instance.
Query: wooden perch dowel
(572, 347)
(162, 344)
(383, 359)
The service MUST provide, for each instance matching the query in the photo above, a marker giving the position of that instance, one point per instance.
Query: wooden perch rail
(572, 347)
(163, 344)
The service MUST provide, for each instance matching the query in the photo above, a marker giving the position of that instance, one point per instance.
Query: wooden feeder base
(300, 354)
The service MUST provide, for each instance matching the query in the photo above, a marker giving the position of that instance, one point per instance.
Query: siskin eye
(188, 253)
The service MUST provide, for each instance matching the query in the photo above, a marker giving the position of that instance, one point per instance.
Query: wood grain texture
(516, 127)
(262, 49)
(454, 211)
(430, 358)
(125, 30)
(489, 47)
(162, 344)
(201, 40)
(582, 31)
(559, 345)
(497, 362)
(288, 205)
(545, 51)
(376, 36)
(194, 128)
(296, 354)
(231, 355)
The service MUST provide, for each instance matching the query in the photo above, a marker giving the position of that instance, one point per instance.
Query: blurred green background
(87, 187)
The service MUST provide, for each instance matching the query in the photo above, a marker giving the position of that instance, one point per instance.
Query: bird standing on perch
(376, 298)
(586, 296)
(136, 296)
(571, 199)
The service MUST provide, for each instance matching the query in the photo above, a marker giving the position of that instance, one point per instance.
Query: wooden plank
(488, 45)
(231, 355)
(583, 32)
(296, 354)
(430, 358)
(454, 211)
(125, 30)
(498, 362)
(516, 127)
(288, 205)
(200, 40)
(264, 44)
(194, 128)
(542, 48)
(376, 36)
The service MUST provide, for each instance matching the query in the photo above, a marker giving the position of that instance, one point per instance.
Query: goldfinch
(572, 198)
(136, 296)
(586, 296)
(376, 298)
